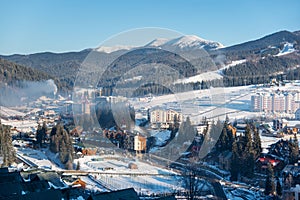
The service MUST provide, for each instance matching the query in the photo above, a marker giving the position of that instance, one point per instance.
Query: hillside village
(150, 100)
(89, 160)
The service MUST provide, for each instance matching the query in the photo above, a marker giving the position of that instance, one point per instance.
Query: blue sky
(38, 25)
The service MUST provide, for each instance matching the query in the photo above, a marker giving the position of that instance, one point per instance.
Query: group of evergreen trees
(41, 134)
(61, 142)
(272, 186)
(245, 150)
(6, 148)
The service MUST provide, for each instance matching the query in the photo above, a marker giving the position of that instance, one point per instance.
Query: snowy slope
(287, 48)
(207, 76)
(232, 64)
(161, 136)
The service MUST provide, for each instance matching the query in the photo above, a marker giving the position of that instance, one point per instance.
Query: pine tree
(63, 151)
(278, 187)
(248, 154)
(248, 140)
(270, 184)
(235, 165)
(61, 143)
(39, 136)
(222, 143)
(256, 143)
(294, 150)
(44, 131)
(6, 148)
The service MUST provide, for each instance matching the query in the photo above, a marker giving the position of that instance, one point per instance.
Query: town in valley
(124, 100)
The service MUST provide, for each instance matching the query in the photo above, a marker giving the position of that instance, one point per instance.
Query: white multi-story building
(164, 117)
(274, 102)
(278, 103)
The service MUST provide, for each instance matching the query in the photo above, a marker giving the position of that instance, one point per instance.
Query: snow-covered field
(215, 103)
(211, 103)
(115, 173)
(41, 158)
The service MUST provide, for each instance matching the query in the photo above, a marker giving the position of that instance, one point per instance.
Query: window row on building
(266, 102)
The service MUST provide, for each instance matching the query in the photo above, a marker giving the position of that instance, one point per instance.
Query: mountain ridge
(185, 42)
(64, 66)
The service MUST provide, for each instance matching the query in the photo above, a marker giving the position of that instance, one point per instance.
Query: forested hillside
(14, 74)
(255, 48)
(62, 66)
(260, 71)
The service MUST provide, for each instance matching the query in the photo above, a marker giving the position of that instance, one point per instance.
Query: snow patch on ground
(232, 64)
(161, 136)
(287, 49)
(39, 158)
(207, 76)
(136, 78)
(212, 75)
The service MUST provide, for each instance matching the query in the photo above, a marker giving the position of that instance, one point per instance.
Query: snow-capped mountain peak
(186, 42)
(192, 42)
